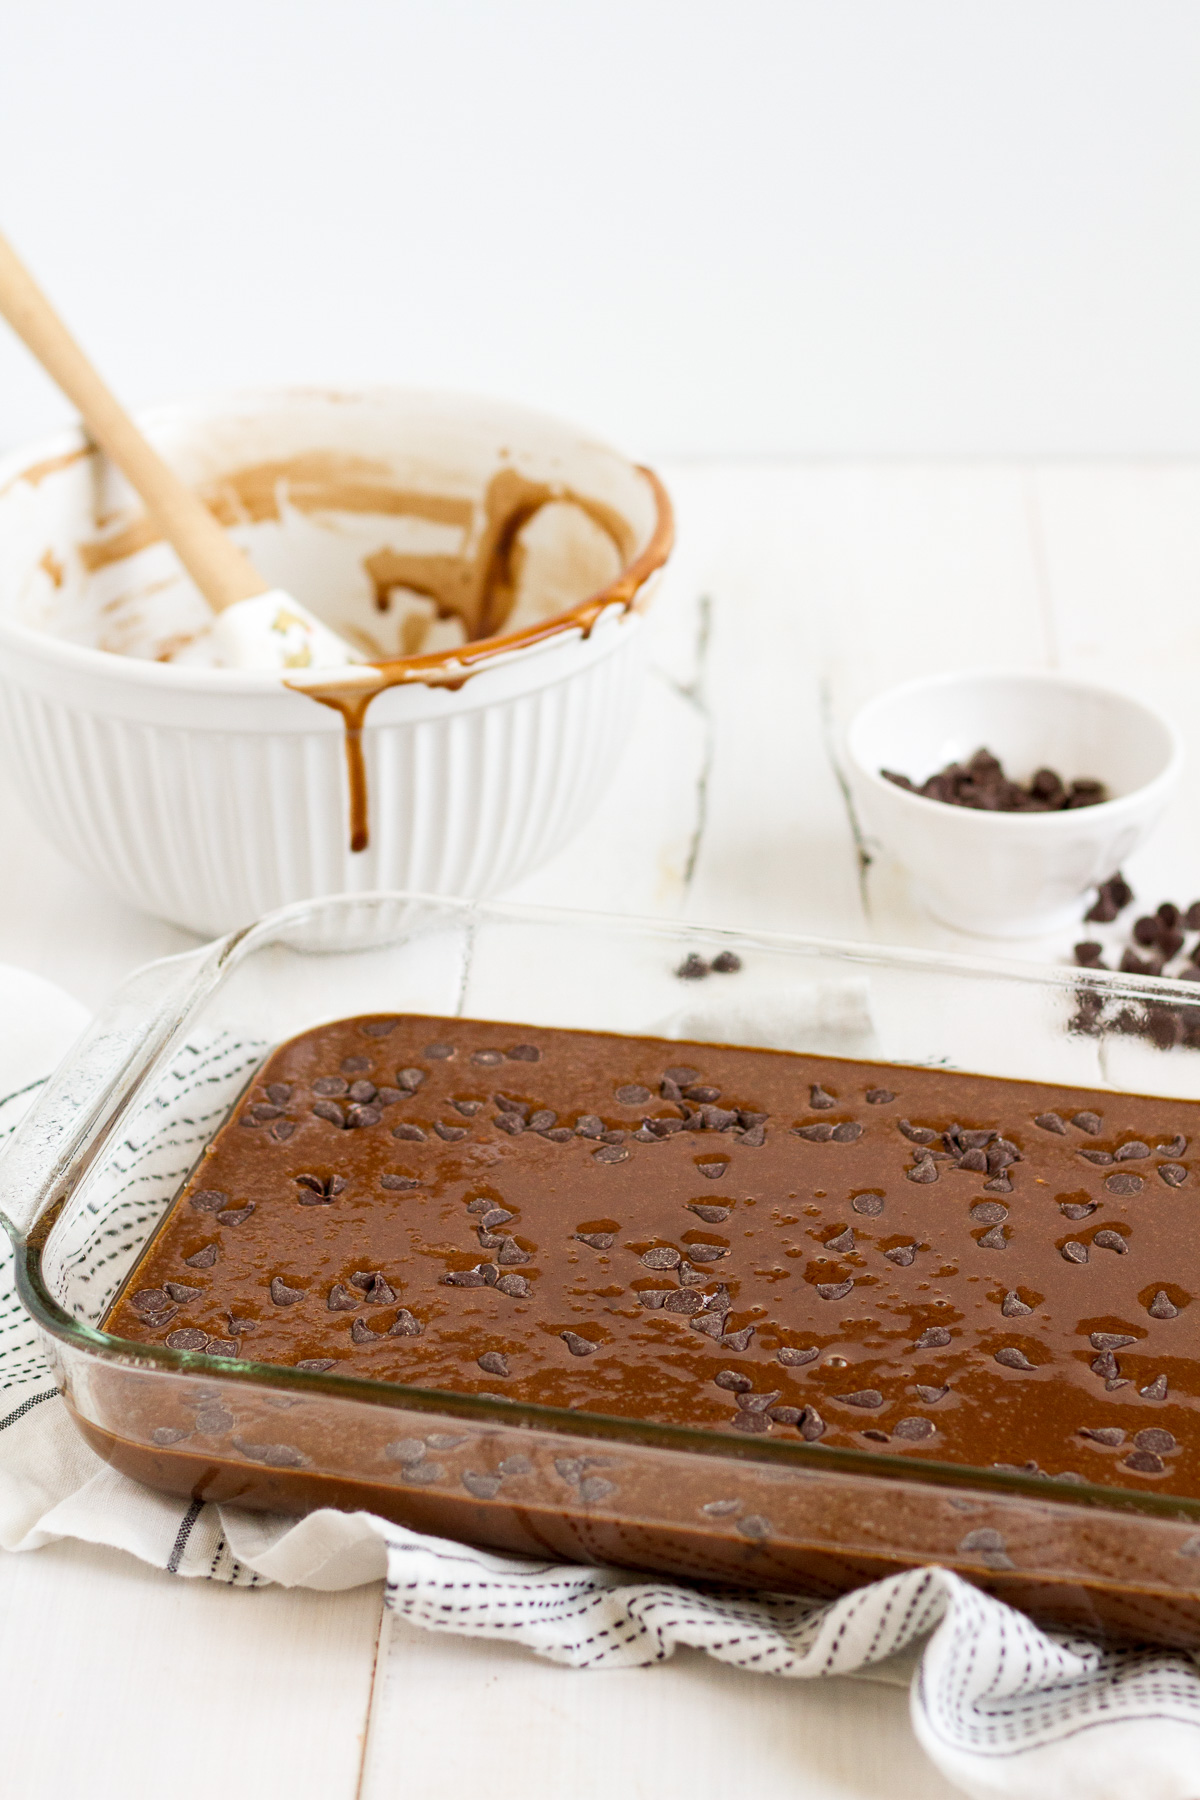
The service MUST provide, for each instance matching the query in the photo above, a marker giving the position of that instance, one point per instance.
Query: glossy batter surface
(941, 1265)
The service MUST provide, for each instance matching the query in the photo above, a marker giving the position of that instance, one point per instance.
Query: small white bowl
(1010, 874)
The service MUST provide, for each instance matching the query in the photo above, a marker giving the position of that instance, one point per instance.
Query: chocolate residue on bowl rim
(452, 668)
(479, 590)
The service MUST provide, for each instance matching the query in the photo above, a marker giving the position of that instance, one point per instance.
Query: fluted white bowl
(211, 796)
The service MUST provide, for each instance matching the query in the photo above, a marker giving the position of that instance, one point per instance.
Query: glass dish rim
(213, 963)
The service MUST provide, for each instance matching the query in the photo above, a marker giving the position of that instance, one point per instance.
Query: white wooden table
(798, 589)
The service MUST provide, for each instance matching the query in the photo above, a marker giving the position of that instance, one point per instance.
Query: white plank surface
(797, 591)
(521, 1729)
(121, 1681)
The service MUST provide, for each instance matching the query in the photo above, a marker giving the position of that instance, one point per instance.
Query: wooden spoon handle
(222, 572)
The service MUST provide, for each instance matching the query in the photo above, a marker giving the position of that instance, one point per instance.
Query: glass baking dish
(96, 1163)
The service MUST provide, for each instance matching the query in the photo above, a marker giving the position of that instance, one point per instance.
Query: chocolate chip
(733, 1381)
(1097, 1156)
(488, 1059)
(1124, 1184)
(561, 1135)
(1109, 1435)
(484, 1487)
(493, 1362)
(1013, 1307)
(450, 1134)
(1106, 1364)
(228, 1347)
(863, 1397)
(754, 1137)
(685, 1300)
(924, 1171)
(187, 1338)
(692, 968)
(931, 1395)
(712, 1170)
(332, 1115)
(842, 1243)
(1145, 1462)
(1132, 1151)
(1110, 1240)
(405, 1325)
(203, 1259)
(1153, 1438)
(816, 1134)
(834, 1290)
(1174, 1174)
(148, 1302)
(631, 1095)
(738, 1340)
(466, 1278)
(989, 1212)
(727, 962)
(1157, 1389)
(974, 1162)
(578, 1346)
(903, 1255)
(181, 1294)
(208, 1200)
(406, 1451)
(512, 1256)
(282, 1294)
(750, 1422)
(917, 1134)
(524, 1053)
(1050, 1121)
(913, 1428)
(993, 1239)
(361, 1332)
(795, 1359)
(877, 1096)
(1111, 1340)
(986, 1542)
(661, 1257)
(1074, 1252)
(652, 1298)
(1161, 1306)
(711, 1215)
(517, 1287)
(818, 1098)
(787, 1415)
(327, 1085)
(402, 1184)
(238, 1216)
(379, 1292)
(1075, 1209)
(934, 1337)
(597, 1240)
(707, 1253)
(812, 1425)
(261, 1113)
(849, 1133)
(589, 1126)
(869, 1205)
(1011, 1358)
(542, 1120)
(1088, 1121)
(1176, 1147)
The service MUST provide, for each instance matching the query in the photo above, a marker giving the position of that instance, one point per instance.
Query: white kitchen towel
(1001, 1707)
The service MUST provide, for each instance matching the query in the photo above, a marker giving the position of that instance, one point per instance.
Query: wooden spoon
(257, 626)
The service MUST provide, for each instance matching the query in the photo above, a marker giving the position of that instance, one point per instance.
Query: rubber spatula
(257, 626)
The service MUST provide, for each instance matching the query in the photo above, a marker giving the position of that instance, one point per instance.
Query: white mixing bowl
(1010, 874)
(411, 521)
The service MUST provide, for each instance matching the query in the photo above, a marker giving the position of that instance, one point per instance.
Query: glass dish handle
(50, 1148)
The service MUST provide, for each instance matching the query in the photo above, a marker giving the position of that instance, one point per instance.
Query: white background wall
(820, 226)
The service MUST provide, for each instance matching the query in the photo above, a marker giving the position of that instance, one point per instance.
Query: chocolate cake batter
(935, 1265)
